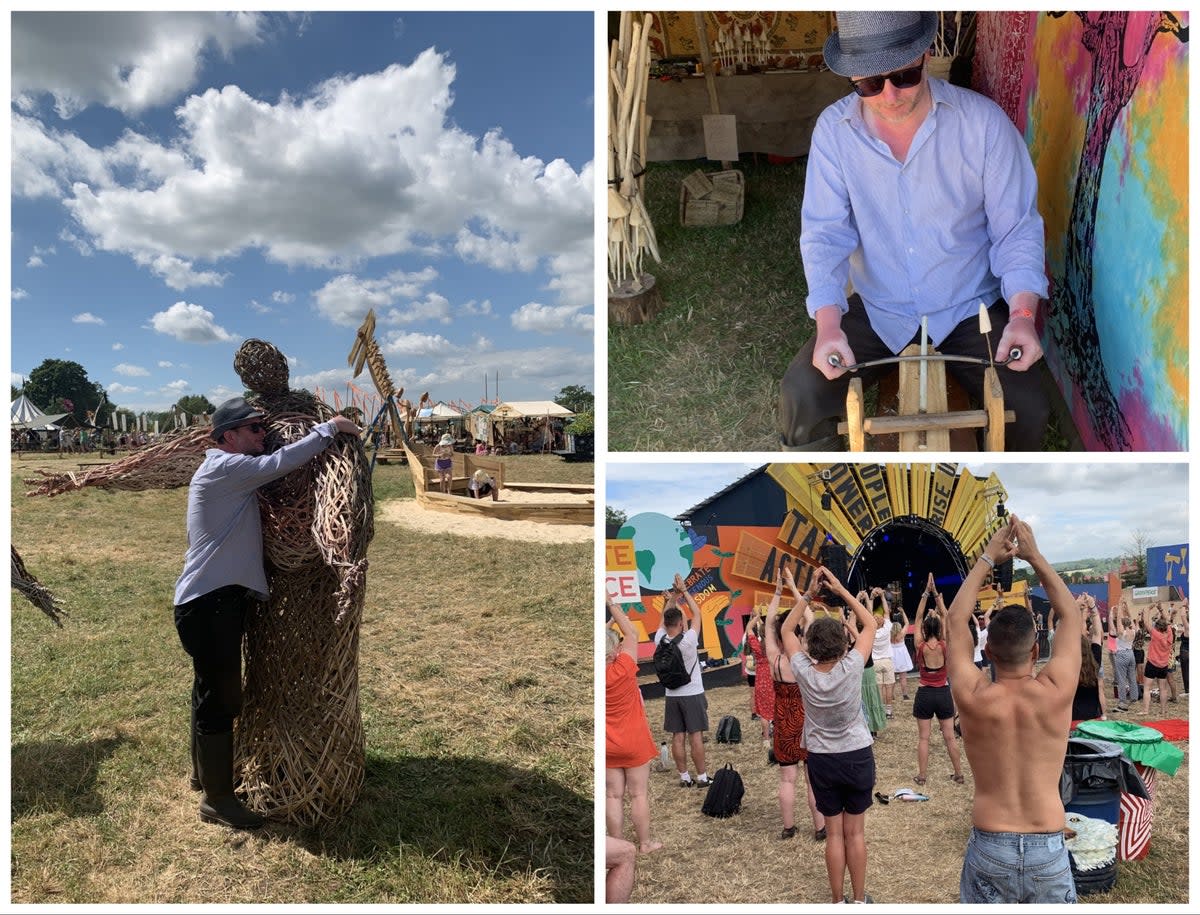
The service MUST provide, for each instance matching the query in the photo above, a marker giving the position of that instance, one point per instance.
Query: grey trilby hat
(233, 412)
(878, 41)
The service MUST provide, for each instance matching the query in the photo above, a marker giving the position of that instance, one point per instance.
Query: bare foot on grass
(648, 847)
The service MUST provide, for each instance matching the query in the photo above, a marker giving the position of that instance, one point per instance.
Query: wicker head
(262, 367)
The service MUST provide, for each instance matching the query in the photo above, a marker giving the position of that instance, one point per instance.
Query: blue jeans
(1016, 867)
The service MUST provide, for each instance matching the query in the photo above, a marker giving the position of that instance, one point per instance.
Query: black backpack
(668, 663)
(724, 797)
(729, 730)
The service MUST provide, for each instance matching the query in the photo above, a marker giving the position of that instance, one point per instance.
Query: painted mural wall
(729, 568)
(1167, 566)
(1101, 98)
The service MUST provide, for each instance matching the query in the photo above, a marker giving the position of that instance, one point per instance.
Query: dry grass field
(479, 785)
(914, 849)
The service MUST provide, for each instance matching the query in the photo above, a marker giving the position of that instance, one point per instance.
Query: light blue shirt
(223, 522)
(953, 225)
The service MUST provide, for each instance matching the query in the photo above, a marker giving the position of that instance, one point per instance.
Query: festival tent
(530, 412)
(529, 409)
(27, 415)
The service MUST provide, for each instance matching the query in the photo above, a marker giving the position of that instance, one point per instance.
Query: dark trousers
(210, 629)
(810, 405)
(1183, 662)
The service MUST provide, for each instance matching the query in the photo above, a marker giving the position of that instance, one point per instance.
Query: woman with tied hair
(933, 693)
(629, 745)
(1088, 703)
(783, 641)
(841, 765)
(764, 690)
(1158, 659)
(1123, 631)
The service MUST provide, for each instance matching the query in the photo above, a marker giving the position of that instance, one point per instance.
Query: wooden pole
(710, 80)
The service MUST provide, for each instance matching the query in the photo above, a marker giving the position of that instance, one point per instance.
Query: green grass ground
(479, 747)
(704, 374)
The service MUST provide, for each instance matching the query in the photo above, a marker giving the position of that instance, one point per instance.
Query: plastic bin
(1092, 779)
(1150, 754)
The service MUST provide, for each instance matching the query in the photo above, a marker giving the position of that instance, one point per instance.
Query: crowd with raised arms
(814, 693)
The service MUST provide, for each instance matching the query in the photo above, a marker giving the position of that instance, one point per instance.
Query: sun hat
(878, 41)
(231, 414)
(447, 439)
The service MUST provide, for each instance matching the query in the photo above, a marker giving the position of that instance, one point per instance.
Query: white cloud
(346, 299)
(402, 344)
(178, 273)
(18, 293)
(127, 61)
(178, 387)
(131, 371)
(86, 317)
(163, 364)
(221, 393)
(117, 388)
(475, 309)
(328, 380)
(283, 298)
(552, 319)
(118, 346)
(190, 324)
(433, 307)
(259, 308)
(35, 261)
(374, 166)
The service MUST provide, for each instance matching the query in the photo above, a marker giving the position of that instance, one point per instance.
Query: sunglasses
(870, 86)
(254, 427)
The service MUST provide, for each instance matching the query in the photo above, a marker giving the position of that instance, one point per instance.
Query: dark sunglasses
(254, 427)
(870, 86)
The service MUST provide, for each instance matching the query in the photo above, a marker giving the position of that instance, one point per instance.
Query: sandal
(919, 779)
(819, 835)
(882, 798)
(957, 779)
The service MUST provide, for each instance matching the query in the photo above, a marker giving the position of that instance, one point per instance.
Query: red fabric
(936, 677)
(1137, 819)
(628, 742)
(1171, 728)
(789, 723)
(764, 688)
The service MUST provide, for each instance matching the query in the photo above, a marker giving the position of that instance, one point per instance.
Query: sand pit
(407, 513)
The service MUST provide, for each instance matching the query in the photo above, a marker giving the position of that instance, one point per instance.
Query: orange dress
(628, 742)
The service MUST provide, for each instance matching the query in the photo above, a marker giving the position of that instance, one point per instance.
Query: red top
(764, 688)
(1159, 652)
(628, 742)
(936, 677)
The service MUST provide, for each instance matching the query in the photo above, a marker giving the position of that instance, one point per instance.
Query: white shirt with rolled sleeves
(956, 223)
(223, 522)
(689, 647)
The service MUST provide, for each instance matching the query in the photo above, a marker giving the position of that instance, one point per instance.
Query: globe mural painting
(663, 549)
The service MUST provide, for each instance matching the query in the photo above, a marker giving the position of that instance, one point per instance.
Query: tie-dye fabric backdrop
(1101, 98)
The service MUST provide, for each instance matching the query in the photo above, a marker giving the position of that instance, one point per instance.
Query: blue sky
(1076, 510)
(184, 181)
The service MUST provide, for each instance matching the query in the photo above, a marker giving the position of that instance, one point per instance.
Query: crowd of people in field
(827, 674)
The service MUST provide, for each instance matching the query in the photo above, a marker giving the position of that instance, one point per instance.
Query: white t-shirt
(688, 647)
(881, 649)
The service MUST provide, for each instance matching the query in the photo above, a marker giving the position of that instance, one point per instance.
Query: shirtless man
(1015, 734)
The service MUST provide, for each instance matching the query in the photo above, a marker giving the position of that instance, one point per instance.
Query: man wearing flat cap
(222, 572)
(921, 196)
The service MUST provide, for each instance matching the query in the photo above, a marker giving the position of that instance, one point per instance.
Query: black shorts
(842, 782)
(1154, 672)
(931, 701)
(1096, 653)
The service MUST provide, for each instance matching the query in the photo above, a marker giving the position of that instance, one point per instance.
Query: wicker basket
(711, 199)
